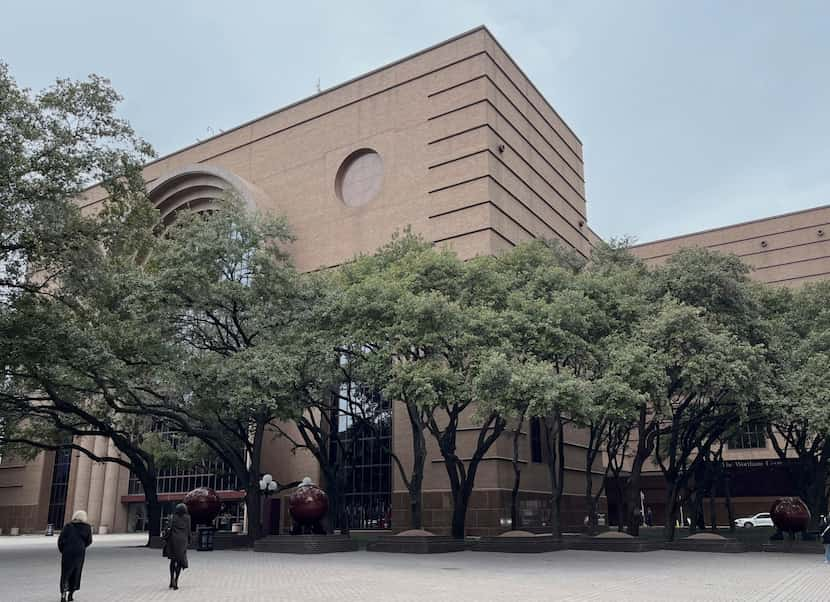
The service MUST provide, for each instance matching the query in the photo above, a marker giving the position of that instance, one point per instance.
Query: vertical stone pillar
(110, 499)
(80, 500)
(96, 483)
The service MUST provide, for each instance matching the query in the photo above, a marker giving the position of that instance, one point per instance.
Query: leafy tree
(607, 417)
(710, 338)
(796, 404)
(615, 281)
(550, 319)
(338, 409)
(382, 342)
(52, 145)
(418, 322)
(59, 374)
(230, 312)
(704, 335)
(513, 385)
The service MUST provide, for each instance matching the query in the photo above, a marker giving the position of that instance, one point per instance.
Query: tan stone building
(786, 250)
(783, 250)
(454, 141)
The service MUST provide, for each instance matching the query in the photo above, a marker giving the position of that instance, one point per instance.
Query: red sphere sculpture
(203, 504)
(790, 514)
(308, 504)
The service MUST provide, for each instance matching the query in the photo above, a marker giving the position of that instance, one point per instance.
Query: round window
(359, 178)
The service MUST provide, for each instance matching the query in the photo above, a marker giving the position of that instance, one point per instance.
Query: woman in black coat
(176, 540)
(75, 538)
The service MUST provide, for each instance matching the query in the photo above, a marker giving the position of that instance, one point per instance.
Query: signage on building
(765, 463)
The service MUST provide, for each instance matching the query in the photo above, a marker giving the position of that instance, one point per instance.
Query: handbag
(165, 537)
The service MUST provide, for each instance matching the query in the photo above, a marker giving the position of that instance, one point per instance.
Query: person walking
(825, 539)
(176, 540)
(74, 539)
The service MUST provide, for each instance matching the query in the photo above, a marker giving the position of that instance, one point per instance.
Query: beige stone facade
(454, 142)
(786, 250)
(782, 250)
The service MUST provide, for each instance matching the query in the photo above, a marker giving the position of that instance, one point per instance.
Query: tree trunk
(590, 457)
(517, 477)
(253, 506)
(671, 511)
(416, 479)
(632, 497)
(462, 481)
(151, 499)
(556, 517)
(556, 469)
(632, 493)
(514, 500)
(816, 493)
(461, 497)
(459, 511)
(727, 491)
(620, 513)
(713, 511)
(153, 510)
(253, 495)
(696, 503)
(336, 518)
(415, 504)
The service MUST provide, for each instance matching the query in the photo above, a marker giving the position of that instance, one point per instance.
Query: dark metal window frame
(367, 472)
(750, 436)
(59, 487)
(535, 439)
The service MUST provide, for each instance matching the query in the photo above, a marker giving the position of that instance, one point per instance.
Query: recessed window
(750, 436)
(535, 440)
(359, 178)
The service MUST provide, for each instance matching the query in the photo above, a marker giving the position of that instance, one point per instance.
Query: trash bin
(205, 539)
(50, 530)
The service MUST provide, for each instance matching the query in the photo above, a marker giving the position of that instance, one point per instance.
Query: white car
(759, 520)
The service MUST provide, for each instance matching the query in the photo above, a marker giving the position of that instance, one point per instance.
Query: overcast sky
(692, 114)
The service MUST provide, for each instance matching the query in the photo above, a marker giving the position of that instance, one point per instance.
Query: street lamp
(267, 485)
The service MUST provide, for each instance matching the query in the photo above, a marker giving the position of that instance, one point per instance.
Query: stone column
(80, 500)
(110, 499)
(96, 483)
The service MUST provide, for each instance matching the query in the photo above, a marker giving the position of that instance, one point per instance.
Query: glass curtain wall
(364, 438)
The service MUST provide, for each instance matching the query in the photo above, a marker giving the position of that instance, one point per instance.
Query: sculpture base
(519, 545)
(794, 547)
(707, 542)
(415, 544)
(305, 544)
(612, 544)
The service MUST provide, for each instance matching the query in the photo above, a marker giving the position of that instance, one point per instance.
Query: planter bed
(417, 541)
(305, 544)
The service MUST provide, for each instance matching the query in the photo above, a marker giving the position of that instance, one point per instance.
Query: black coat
(75, 538)
(177, 539)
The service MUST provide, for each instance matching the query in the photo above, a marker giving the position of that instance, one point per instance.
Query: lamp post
(267, 486)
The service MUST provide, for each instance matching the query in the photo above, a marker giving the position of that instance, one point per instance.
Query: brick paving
(117, 570)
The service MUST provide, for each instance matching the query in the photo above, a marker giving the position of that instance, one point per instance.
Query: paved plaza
(116, 569)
